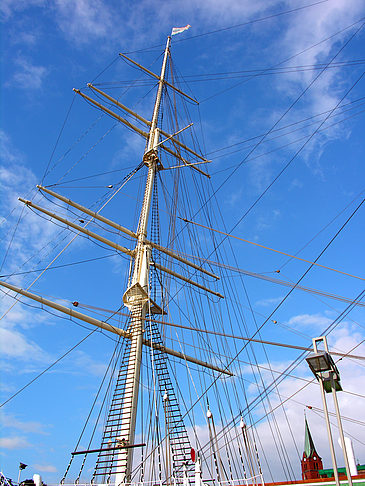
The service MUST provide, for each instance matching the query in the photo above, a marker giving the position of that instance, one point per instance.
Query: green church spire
(309, 448)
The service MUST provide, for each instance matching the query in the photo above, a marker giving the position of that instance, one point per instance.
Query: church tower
(311, 462)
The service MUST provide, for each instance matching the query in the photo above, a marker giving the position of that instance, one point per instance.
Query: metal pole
(340, 429)
(325, 409)
(330, 440)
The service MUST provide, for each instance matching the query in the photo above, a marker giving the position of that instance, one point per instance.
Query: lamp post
(21, 467)
(328, 376)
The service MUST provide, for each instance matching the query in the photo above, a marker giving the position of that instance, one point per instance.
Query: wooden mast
(136, 296)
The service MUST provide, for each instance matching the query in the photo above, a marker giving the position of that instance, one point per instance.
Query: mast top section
(151, 73)
(153, 136)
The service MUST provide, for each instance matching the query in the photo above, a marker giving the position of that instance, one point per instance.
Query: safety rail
(253, 481)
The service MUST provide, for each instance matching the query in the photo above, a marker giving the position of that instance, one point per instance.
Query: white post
(185, 475)
(198, 472)
(340, 429)
(350, 455)
(37, 480)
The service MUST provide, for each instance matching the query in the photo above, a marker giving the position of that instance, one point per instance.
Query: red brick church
(311, 462)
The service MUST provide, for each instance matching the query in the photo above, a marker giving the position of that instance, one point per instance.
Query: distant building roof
(342, 470)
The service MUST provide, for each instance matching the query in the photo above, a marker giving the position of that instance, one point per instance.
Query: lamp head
(323, 367)
(320, 362)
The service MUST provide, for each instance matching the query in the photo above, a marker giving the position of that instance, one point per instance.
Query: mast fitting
(150, 157)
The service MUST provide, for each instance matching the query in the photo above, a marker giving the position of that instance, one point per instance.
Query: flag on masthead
(178, 30)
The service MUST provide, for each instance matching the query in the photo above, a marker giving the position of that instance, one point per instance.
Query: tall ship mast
(171, 459)
(188, 381)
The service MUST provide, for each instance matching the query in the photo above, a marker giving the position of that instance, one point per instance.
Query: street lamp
(322, 365)
(21, 467)
(325, 370)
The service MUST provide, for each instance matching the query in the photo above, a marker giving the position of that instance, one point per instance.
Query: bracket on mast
(151, 157)
(135, 292)
(174, 135)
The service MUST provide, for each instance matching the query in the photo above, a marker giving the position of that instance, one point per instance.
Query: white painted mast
(136, 296)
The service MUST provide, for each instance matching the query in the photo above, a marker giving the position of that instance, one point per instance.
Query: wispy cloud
(269, 302)
(141, 22)
(309, 27)
(45, 467)
(10, 421)
(267, 221)
(28, 75)
(303, 32)
(14, 344)
(82, 361)
(84, 21)
(311, 32)
(302, 394)
(309, 320)
(8, 152)
(27, 243)
(15, 180)
(8, 8)
(15, 442)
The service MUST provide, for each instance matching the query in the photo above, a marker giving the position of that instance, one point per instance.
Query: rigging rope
(46, 172)
(48, 368)
(288, 59)
(223, 29)
(273, 249)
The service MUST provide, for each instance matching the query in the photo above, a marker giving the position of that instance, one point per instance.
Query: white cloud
(14, 342)
(26, 38)
(308, 28)
(28, 75)
(6, 388)
(10, 421)
(8, 8)
(132, 144)
(265, 222)
(312, 320)
(84, 21)
(15, 345)
(14, 442)
(83, 361)
(34, 236)
(32, 242)
(8, 152)
(239, 10)
(234, 197)
(45, 467)
(269, 302)
(27, 243)
(352, 373)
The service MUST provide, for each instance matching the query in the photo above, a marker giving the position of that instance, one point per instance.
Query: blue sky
(51, 47)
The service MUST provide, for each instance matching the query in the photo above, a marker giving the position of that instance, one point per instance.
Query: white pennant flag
(178, 30)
